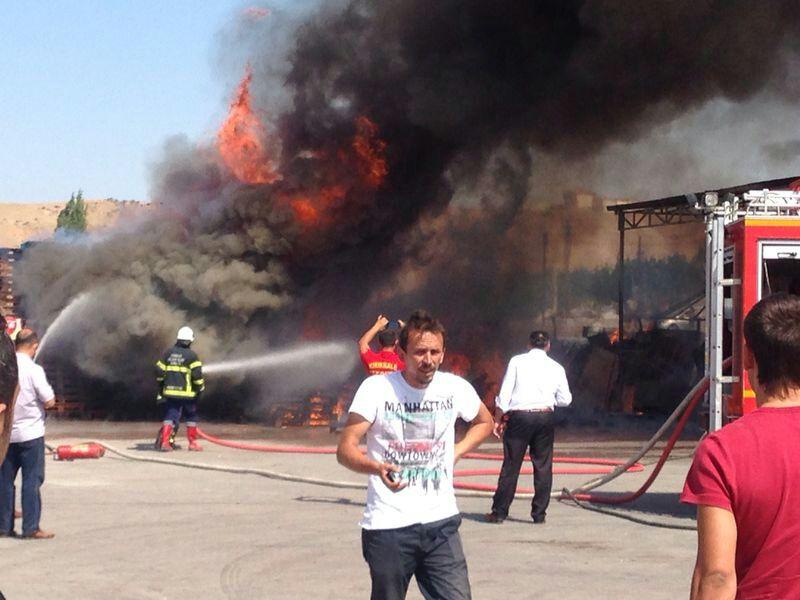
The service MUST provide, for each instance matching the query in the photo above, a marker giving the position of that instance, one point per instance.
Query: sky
(91, 89)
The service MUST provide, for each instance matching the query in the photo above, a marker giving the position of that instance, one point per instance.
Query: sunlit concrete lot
(136, 530)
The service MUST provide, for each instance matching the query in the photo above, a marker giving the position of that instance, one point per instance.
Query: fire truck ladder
(766, 203)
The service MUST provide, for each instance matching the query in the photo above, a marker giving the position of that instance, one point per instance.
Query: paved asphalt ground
(137, 530)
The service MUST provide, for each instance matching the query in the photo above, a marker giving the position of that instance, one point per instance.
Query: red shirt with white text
(385, 361)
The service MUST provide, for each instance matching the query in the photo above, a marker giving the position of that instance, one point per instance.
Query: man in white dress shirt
(533, 386)
(26, 450)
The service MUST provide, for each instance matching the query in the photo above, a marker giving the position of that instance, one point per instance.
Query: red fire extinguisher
(90, 450)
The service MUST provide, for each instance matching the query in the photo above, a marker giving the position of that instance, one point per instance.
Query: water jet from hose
(63, 317)
(342, 353)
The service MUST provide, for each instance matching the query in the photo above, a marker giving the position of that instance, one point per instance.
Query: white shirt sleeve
(365, 402)
(468, 402)
(507, 387)
(44, 392)
(563, 395)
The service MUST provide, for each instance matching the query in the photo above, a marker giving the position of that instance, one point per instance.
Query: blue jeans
(29, 456)
(431, 552)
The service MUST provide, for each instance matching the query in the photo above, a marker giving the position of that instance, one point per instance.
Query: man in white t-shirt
(411, 520)
(26, 450)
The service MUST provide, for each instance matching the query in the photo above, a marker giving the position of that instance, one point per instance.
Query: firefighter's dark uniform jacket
(180, 374)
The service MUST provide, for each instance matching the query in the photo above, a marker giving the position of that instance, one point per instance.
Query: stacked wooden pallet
(70, 391)
(9, 303)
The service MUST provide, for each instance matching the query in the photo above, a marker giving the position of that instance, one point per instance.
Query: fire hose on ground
(681, 413)
(684, 411)
(463, 489)
(579, 494)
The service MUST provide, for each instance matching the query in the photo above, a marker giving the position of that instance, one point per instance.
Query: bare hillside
(21, 222)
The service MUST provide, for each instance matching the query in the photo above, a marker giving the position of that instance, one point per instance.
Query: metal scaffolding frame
(716, 208)
(642, 215)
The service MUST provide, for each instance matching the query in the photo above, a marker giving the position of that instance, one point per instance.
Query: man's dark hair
(387, 337)
(539, 339)
(26, 337)
(420, 321)
(772, 332)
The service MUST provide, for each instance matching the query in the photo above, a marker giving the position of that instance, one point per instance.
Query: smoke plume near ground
(373, 117)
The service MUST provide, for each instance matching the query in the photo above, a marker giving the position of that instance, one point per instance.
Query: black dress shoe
(538, 520)
(493, 518)
(11, 533)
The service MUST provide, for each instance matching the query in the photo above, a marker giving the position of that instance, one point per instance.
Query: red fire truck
(761, 257)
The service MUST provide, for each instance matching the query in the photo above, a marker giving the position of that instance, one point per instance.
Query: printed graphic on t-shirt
(420, 448)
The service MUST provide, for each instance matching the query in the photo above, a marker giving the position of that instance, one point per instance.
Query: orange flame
(370, 151)
(314, 210)
(240, 140)
(345, 176)
(365, 156)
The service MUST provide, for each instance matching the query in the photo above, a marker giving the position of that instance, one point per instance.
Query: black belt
(532, 410)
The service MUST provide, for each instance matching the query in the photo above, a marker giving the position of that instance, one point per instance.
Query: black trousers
(532, 431)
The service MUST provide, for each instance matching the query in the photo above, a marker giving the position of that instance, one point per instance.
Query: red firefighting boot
(191, 433)
(166, 432)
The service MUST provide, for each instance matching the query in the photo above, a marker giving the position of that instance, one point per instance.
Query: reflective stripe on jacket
(180, 374)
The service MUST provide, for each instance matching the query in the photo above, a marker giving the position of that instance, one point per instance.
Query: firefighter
(180, 377)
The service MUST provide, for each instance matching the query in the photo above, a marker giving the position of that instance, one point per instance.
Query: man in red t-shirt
(386, 359)
(745, 478)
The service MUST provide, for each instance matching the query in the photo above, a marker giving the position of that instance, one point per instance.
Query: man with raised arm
(385, 360)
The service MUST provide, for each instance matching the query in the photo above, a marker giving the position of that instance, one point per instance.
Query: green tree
(72, 217)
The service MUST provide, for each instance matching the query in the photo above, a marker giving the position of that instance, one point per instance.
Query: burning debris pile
(313, 411)
(299, 216)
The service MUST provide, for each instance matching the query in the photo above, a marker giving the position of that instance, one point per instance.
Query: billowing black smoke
(458, 77)
(464, 94)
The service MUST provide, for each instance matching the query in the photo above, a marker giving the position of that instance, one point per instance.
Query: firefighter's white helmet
(185, 334)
